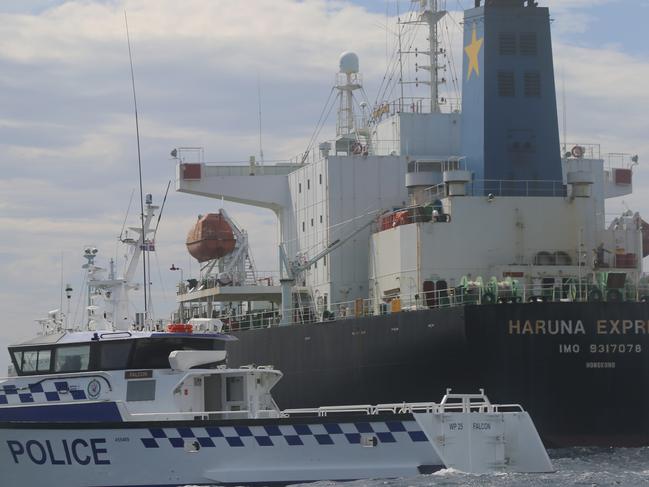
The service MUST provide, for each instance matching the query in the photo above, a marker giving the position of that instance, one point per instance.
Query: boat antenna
(61, 306)
(128, 210)
(565, 111)
(162, 207)
(261, 149)
(400, 58)
(139, 165)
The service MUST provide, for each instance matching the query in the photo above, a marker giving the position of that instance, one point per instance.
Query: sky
(68, 150)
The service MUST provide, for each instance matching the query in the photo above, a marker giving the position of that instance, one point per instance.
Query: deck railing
(309, 312)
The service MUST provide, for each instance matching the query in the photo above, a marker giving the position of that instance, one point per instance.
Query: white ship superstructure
(503, 206)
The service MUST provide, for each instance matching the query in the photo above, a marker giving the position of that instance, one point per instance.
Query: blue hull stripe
(90, 412)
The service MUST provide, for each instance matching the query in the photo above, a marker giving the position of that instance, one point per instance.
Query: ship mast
(348, 81)
(430, 14)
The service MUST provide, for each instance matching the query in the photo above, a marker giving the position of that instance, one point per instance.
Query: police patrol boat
(119, 401)
(129, 408)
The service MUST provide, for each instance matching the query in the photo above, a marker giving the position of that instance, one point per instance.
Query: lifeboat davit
(211, 238)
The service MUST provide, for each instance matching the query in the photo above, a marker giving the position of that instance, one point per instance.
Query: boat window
(140, 390)
(44, 360)
(234, 388)
(154, 353)
(114, 355)
(72, 359)
(32, 361)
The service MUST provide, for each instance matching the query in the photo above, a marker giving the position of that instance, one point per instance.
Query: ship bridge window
(153, 353)
(72, 358)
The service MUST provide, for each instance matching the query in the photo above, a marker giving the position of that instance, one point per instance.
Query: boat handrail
(406, 408)
(200, 415)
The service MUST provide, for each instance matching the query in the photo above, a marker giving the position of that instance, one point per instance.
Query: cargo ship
(436, 243)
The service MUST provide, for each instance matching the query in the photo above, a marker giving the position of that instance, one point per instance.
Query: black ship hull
(580, 369)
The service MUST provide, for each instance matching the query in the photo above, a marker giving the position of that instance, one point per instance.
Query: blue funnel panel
(510, 130)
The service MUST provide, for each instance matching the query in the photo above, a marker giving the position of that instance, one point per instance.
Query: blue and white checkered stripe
(49, 391)
(292, 435)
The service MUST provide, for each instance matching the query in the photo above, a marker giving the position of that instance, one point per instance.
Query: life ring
(614, 296)
(595, 295)
(357, 148)
(577, 152)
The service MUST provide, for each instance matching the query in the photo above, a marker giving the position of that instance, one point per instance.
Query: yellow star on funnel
(473, 52)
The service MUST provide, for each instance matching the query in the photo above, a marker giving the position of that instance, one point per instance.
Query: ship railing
(580, 150)
(589, 151)
(404, 408)
(279, 167)
(413, 104)
(620, 160)
(202, 415)
(504, 187)
(507, 292)
(261, 278)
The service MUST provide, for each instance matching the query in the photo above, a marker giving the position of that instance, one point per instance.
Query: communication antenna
(261, 149)
(139, 165)
(431, 12)
(400, 58)
(565, 111)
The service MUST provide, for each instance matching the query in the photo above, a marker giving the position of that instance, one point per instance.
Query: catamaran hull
(580, 369)
(280, 450)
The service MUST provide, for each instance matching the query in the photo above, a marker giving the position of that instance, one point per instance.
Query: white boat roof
(94, 336)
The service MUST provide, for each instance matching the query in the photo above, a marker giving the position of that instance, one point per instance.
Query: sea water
(583, 467)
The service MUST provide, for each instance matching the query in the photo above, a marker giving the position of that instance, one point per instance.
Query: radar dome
(348, 62)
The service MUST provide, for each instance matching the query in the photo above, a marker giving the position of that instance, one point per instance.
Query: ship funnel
(509, 116)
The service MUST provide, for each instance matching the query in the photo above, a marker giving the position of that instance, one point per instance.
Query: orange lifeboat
(211, 238)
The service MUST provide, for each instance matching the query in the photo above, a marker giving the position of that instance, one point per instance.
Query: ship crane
(293, 269)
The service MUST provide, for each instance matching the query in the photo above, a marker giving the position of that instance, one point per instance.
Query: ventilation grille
(528, 44)
(532, 82)
(506, 85)
(507, 43)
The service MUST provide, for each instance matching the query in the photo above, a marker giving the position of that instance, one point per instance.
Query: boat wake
(628, 467)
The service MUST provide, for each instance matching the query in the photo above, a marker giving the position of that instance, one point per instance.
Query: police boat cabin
(131, 375)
